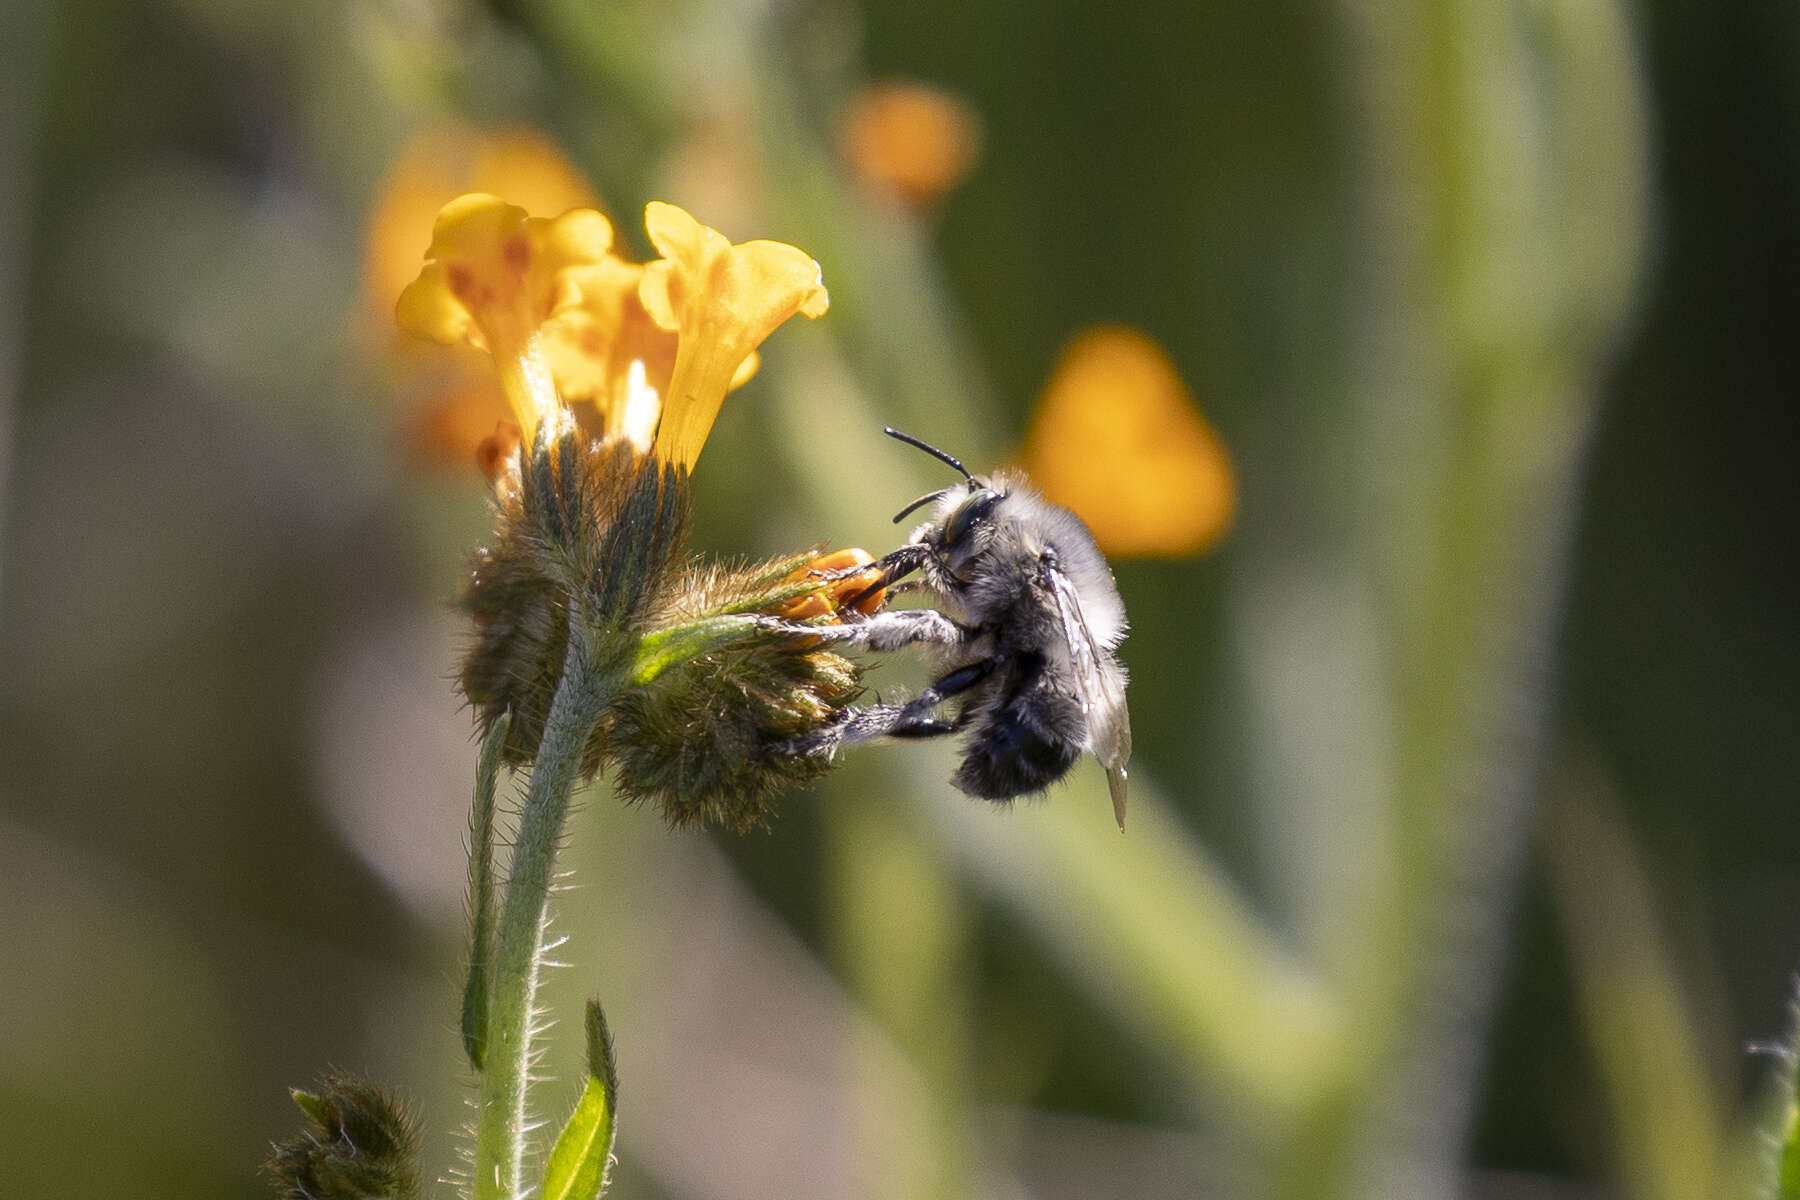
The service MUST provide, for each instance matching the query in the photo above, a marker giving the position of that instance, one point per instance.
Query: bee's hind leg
(910, 720)
(867, 724)
(914, 719)
(945, 686)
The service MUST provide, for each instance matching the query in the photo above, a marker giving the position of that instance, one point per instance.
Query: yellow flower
(911, 139)
(1116, 438)
(493, 276)
(722, 300)
(442, 162)
(655, 346)
(455, 400)
(592, 341)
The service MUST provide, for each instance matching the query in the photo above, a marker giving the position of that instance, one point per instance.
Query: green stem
(500, 1126)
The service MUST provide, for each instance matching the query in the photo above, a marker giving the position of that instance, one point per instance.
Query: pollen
(858, 592)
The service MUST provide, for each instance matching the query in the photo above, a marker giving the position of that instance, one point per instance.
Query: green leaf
(1790, 1154)
(1787, 1133)
(481, 895)
(577, 1166)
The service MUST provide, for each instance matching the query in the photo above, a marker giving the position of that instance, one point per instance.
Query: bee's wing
(1100, 683)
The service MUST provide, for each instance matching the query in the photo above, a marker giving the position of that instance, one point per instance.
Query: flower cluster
(615, 372)
(654, 346)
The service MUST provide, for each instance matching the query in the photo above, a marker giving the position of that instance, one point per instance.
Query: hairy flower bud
(591, 531)
(361, 1144)
(707, 741)
(704, 742)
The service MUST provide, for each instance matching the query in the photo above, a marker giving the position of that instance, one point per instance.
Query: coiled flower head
(360, 1143)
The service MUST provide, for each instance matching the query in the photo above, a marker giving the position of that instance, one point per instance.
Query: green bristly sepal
(675, 644)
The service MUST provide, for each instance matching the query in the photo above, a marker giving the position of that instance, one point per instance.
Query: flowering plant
(599, 639)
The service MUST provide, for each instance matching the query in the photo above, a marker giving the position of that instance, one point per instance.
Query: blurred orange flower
(913, 140)
(1118, 440)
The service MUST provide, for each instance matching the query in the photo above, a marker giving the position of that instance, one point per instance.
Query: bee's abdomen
(1027, 743)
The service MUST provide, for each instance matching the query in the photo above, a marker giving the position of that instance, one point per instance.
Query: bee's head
(964, 514)
(963, 532)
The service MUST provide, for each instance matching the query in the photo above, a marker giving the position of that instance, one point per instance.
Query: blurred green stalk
(1669, 1116)
(24, 34)
(1500, 158)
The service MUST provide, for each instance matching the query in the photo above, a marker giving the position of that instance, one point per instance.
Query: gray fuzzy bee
(1025, 622)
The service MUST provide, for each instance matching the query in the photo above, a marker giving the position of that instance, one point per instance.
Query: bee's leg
(866, 724)
(888, 569)
(914, 720)
(896, 565)
(920, 727)
(884, 631)
(910, 720)
(848, 605)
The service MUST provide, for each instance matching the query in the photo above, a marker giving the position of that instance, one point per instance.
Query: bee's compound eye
(976, 508)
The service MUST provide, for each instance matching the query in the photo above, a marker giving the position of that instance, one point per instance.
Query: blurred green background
(1463, 856)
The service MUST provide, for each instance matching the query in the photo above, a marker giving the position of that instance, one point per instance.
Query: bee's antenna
(928, 448)
(921, 502)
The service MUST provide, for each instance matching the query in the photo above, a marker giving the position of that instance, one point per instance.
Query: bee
(1025, 620)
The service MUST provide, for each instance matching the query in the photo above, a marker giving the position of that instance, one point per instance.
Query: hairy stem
(500, 1125)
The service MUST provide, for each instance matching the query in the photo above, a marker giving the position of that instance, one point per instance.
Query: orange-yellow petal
(599, 329)
(1117, 439)
(722, 301)
(911, 139)
(429, 309)
(494, 275)
(600, 332)
(444, 161)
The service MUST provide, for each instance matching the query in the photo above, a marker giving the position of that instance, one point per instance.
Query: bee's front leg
(885, 631)
(896, 565)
